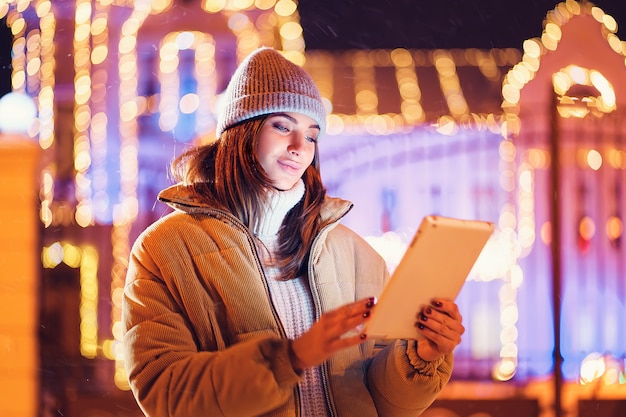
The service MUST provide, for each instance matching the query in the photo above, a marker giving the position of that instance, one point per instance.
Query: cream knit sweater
(291, 298)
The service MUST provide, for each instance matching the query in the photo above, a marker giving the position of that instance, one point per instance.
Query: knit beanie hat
(266, 82)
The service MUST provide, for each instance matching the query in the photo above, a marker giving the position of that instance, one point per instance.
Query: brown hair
(227, 172)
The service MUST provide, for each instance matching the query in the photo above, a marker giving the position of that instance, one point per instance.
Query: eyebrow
(293, 120)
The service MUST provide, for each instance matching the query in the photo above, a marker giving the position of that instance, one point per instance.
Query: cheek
(263, 151)
(313, 154)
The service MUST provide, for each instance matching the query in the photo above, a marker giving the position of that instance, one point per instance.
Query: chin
(285, 186)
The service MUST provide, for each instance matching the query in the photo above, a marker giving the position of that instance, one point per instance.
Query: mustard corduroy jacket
(202, 337)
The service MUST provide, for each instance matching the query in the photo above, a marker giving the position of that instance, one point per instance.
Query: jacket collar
(183, 198)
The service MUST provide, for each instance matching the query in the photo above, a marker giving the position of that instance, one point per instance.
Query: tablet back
(435, 265)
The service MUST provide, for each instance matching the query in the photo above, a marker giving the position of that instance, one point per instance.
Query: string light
(82, 113)
(517, 78)
(99, 210)
(363, 66)
(85, 258)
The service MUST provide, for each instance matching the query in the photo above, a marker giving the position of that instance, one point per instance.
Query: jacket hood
(184, 198)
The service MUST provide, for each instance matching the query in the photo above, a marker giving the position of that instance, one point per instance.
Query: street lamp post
(555, 245)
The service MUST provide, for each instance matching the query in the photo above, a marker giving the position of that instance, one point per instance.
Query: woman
(249, 299)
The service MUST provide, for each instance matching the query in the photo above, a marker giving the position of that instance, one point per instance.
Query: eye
(311, 139)
(280, 127)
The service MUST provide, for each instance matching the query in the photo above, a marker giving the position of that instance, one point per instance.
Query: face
(286, 147)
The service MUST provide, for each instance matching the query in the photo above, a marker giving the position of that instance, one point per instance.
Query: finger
(451, 320)
(446, 306)
(441, 323)
(346, 318)
(443, 339)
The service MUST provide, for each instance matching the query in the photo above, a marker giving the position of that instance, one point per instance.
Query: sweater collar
(279, 204)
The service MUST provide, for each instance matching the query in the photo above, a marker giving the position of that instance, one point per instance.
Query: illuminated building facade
(122, 86)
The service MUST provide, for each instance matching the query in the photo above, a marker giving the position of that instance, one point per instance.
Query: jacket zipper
(283, 333)
(332, 409)
(318, 308)
(236, 223)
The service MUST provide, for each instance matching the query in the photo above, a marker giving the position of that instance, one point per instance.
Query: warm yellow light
(127, 44)
(446, 126)
(18, 26)
(81, 121)
(592, 368)
(609, 22)
(586, 228)
(121, 379)
(169, 66)
(615, 43)
(131, 26)
(72, 255)
(531, 48)
(241, 4)
(291, 30)
(128, 111)
(561, 82)
(617, 158)
(83, 12)
(98, 26)
(264, 4)
(84, 215)
(553, 30)
(538, 158)
(510, 93)
(504, 370)
(99, 54)
(159, 6)
(594, 159)
(214, 6)
(366, 100)
(401, 57)
(238, 21)
(614, 228)
(43, 8)
(82, 161)
(285, 8)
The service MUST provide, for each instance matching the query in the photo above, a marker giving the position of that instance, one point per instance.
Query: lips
(289, 165)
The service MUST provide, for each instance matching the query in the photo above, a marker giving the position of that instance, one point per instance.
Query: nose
(297, 144)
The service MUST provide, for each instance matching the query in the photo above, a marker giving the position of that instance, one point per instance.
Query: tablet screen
(435, 265)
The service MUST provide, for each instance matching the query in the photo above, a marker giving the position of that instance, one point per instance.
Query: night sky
(430, 24)
(5, 58)
(414, 24)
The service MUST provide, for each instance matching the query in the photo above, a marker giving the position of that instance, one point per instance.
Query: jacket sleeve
(168, 374)
(403, 384)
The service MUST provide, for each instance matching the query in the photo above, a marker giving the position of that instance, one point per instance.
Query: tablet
(435, 265)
